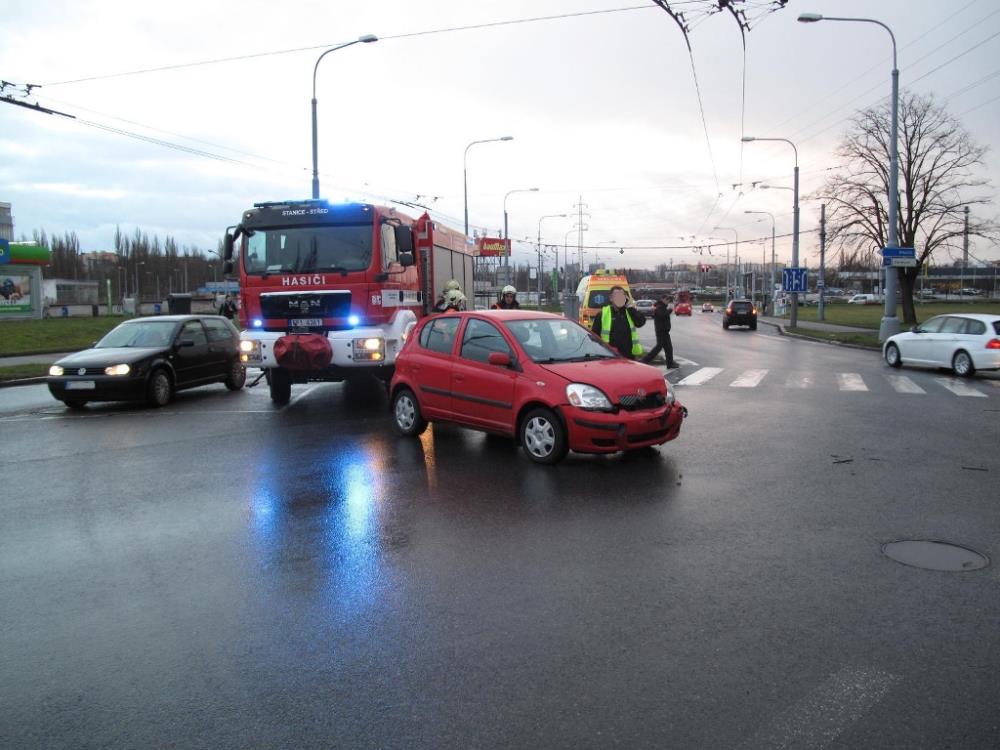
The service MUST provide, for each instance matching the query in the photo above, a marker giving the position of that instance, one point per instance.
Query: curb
(783, 332)
(22, 381)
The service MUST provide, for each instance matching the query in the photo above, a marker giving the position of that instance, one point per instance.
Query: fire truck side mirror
(227, 253)
(406, 259)
(404, 242)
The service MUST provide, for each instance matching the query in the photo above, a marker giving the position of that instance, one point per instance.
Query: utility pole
(965, 248)
(579, 206)
(821, 283)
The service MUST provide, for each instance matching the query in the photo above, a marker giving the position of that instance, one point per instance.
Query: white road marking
(701, 376)
(821, 716)
(305, 392)
(749, 379)
(799, 381)
(902, 384)
(850, 381)
(683, 361)
(959, 388)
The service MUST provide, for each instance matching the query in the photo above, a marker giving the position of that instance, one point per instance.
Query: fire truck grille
(305, 305)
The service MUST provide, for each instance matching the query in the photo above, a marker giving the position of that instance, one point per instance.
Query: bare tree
(938, 177)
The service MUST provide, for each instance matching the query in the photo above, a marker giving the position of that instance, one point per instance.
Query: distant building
(94, 260)
(6, 223)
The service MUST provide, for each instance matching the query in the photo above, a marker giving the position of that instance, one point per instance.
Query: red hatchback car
(540, 378)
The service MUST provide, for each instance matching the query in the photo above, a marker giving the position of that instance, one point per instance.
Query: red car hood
(616, 377)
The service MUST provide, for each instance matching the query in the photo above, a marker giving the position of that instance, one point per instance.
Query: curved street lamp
(773, 270)
(539, 246)
(465, 173)
(736, 253)
(506, 235)
(890, 323)
(366, 39)
(793, 320)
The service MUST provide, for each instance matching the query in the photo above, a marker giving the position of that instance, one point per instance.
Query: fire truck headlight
(250, 351)
(372, 349)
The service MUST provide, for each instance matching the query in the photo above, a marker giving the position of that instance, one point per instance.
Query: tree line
(140, 261)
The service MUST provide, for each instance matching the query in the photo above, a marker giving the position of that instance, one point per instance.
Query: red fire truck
(332, 290)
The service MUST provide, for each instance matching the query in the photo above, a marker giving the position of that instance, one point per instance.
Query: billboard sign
(493, 247)
(15, 294)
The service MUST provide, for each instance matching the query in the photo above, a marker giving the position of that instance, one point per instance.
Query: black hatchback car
(149, 359)
(740, 312)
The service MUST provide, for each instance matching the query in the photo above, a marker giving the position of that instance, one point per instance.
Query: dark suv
(740, 312)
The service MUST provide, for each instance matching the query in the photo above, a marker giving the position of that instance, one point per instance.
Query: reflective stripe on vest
(606, 330)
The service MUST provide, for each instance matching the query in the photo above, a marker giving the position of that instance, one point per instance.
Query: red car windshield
(547, 341)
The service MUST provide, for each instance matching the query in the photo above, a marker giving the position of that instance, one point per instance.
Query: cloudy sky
(600, 106)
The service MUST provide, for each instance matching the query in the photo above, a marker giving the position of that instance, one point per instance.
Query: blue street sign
(905, 257)
(4, 251)
(899, 252)
(795, 280)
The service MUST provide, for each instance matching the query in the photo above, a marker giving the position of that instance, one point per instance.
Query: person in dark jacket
(661, 324)
(617, 324)
(228, 308)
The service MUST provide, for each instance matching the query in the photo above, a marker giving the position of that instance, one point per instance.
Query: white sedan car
(965, 343)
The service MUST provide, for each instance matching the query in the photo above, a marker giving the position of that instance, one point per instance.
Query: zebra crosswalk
(848, 382)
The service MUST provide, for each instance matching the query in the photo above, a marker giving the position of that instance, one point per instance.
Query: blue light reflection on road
(321, 510)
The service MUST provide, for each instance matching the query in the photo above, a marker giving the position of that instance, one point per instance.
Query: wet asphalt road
(223, 574)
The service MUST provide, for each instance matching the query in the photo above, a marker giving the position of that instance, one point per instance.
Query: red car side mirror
(500, 359)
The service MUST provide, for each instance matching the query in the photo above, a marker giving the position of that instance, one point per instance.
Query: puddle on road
(935, 555)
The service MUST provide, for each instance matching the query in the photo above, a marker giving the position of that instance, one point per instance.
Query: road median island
(856, 340)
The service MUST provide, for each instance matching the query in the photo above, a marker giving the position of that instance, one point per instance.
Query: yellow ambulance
(594, 291)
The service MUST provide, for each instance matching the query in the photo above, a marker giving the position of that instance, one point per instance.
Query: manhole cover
(932, 555)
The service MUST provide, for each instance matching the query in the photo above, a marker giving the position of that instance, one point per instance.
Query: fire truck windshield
(330, 247)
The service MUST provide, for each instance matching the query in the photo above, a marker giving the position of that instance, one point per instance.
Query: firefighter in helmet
(508, 299)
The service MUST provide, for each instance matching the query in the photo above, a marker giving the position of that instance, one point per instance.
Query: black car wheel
(406, 413)
(280, 382)
(75, 403)
(725, 325)
(892, 357)
(543, 437)
(159, 389)
(237, 376)
(753, 326)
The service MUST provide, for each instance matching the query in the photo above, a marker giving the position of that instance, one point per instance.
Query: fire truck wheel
(406, 413)
(281, 385)
(237, 376)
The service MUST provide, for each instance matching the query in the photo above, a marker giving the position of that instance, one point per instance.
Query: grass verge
(16, 372)
(52, 334)
(870, 316)
(868, 340)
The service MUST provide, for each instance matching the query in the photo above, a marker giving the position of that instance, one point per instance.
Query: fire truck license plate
(305, 322)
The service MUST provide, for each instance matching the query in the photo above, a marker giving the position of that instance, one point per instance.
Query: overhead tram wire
(382, 38)
(878, 86)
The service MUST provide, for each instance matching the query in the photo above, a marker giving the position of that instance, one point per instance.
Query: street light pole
(794, 318)
(890, 323)
(736, 253)
(539, 246)
(315, 150)
(506, 234)
(773, 269)
(465, 174)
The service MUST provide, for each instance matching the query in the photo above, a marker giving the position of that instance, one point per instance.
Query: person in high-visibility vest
(617, 323)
